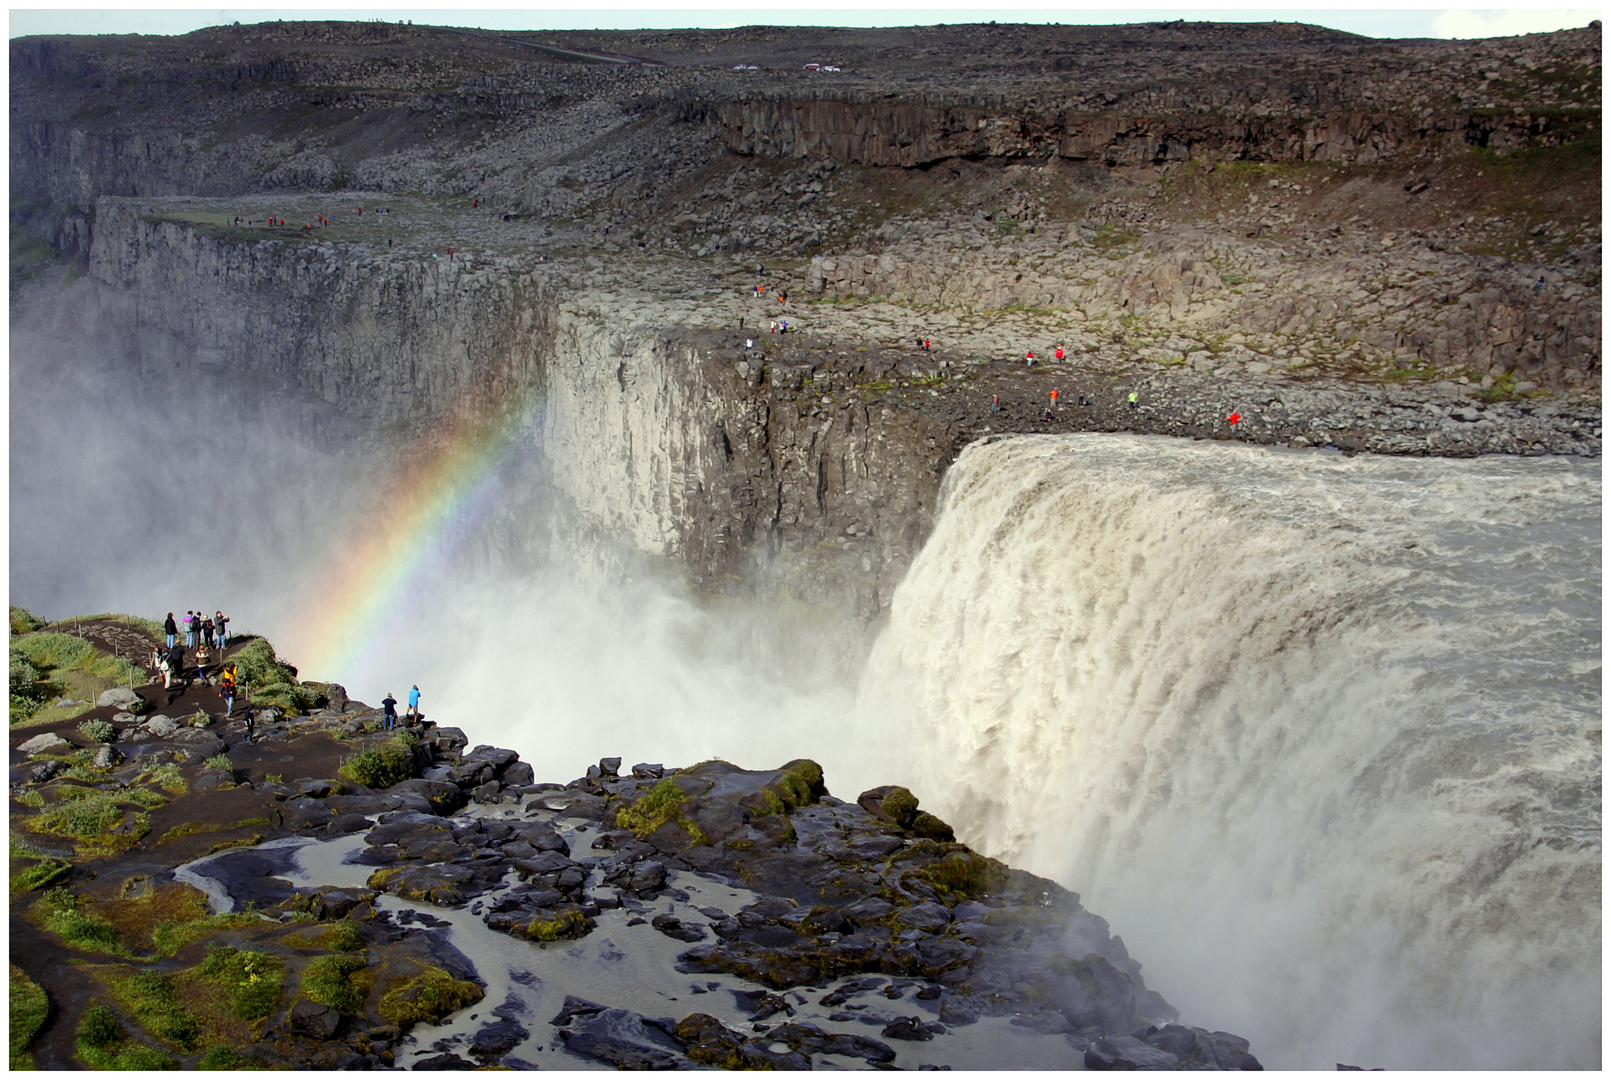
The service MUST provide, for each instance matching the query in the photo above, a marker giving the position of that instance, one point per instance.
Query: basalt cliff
(747, 293)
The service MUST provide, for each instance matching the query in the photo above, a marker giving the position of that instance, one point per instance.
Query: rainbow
(426, 501)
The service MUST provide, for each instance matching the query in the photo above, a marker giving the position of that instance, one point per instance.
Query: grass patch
(24, 621)
(29, 1008)
(37, 876)
(165, 776)
(251, 981)
(170, 935)
(29, 798)
(60, 912)
(379, 768)
(226, 1057)
(427, 998)
(94, 820)
(154, 1002)
(339, 981)
(103, 1044)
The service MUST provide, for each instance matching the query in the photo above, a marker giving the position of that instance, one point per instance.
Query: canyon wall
(660, 435)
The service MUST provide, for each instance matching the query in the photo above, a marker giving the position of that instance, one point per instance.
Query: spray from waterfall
(1319, 736)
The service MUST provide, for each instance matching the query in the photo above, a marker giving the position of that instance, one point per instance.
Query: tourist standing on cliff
(176, 670)
(414, 703)
(170, 628)
(207, 632)
(220, 624)
(1058, 354)
(190, 629)
(1135, 399)
(389, 717)
(1234, 419)
(226, 687)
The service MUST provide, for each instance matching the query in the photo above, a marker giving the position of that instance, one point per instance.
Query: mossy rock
(427, 998)
(438, 884)
(562, 924)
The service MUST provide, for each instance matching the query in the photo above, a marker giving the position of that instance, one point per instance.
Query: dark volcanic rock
(622, 1039)
(313, 1020)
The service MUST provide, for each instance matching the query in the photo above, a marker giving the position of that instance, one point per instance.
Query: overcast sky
(1378, 19)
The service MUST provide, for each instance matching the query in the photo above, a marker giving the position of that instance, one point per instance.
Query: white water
(1319, 736)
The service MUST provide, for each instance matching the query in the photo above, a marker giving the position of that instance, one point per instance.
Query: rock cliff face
(907, 134)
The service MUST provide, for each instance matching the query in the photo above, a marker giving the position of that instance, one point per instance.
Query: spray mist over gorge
(1254, 704)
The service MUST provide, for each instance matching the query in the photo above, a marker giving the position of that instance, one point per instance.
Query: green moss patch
(658, 806)
(338, 981)
(427, 998)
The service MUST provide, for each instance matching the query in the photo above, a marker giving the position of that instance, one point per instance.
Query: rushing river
(1320, 736)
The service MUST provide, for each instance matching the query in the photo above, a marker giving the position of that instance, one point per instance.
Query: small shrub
(219, 761)
(329, 980)
(427, 998)
(290, 697)
(83, 818)
(100, 731)
(251, 981)
(274, 778)
(99, 1028)
(259, 667)
(29, 798)
(29, 1008)
(102, 1044)
(379, 768)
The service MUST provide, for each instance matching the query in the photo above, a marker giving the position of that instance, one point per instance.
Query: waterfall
(1319, 736)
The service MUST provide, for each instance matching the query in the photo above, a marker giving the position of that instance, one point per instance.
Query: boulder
(48, 742)
(518, 774)
(496, 756)
(641, 771)
(313, 1020)
(444, 798)
(443, 1063)
(673, 927)
(45, 771)
(449, 740)
(622, 1039)
(161, 727)
(106, 758)
(335, 696)
(910, 1028)
(1128, 1052)
(119, 697)
(609, 767)
(495, 1040)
